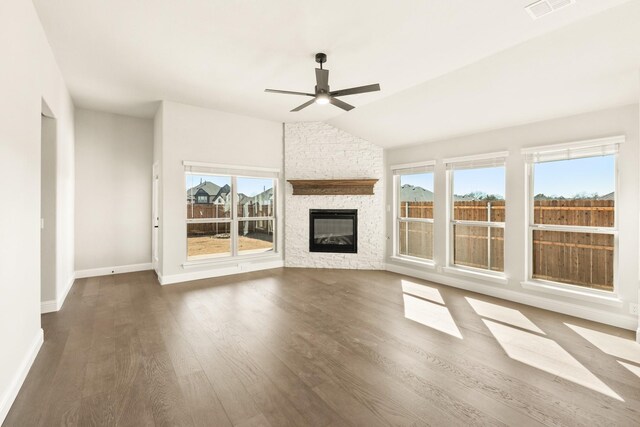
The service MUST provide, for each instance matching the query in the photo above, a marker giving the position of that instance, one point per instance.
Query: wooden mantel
(332, 187)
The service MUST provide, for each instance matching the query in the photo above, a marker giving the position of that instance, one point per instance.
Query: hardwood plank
(204, 406)
(309, 347)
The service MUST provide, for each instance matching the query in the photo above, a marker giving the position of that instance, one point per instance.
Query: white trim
(48, 306)
(471, 223)
(62, 298)
(223, 270)
(488, 275)
(20, 374)
(638, 335)
(227, 167)
(601, 316)
(574, 228)
(412, 165)
(554, 288)
(414, 261)
(104, 271)
(619, 139)
(474, 157)
(262, 256)
(51, 306)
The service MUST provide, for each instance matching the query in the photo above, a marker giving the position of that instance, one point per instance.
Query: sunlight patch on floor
(502, 314)
(422, 291)
(547, 355)
(612, 345)
(433, 315)
(633, 368)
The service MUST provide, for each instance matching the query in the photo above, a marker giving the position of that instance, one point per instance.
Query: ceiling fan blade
(288, 92)
(305, 105)
(356, 90)
(322, 79)
(341, 104)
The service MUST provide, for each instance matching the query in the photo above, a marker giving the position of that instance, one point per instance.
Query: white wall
(198, 134)
(619, 121)
(315, 150)
(28, 74)
(113, 191)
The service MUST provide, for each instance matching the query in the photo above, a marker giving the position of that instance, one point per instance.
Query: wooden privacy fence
(211, 211)
(578, 258)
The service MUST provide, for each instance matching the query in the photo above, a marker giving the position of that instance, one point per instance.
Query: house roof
(207, 186)
(214, 190)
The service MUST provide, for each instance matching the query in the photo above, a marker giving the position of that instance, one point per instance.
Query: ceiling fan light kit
(322, 94)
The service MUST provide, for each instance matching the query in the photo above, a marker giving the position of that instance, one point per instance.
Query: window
(229, 212)
(414, 211)
(477, 211)
(572, 217)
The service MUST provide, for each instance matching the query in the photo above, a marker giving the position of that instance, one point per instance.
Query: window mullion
(574, 228)
(234, 216)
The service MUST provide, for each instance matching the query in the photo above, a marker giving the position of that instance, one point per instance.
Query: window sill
(416, 262)
(476, 274)
(265, 256)
(570, 291)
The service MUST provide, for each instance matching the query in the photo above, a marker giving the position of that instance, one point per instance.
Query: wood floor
(322, 348)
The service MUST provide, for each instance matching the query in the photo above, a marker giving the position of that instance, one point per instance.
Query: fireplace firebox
(333, 230)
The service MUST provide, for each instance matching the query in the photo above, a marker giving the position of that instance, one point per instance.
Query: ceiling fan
(322, 93)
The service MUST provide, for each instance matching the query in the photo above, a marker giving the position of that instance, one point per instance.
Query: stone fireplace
(318, 151)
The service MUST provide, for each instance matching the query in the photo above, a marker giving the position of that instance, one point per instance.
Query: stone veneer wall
(315, 150)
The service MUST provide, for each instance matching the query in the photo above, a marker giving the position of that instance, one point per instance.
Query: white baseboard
(105, 271)
(220, 271)
(48, 306)
(9, 396)
(589, 313)
(55, 305)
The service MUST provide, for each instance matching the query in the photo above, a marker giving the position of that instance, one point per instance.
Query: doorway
(48, 166)
(155, 220)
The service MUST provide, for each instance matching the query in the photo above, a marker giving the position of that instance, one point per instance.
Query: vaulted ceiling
(446, 67)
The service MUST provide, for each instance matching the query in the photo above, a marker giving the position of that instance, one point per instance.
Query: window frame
(498, 159)
(575, 290)
(397, 172)
(233, 172)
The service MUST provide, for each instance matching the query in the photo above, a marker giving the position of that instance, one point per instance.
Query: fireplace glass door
(333, 230)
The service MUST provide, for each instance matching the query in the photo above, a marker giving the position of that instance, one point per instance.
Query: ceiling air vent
(544, 7)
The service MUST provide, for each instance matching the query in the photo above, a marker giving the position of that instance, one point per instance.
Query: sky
(482, 180)
(424, 180)
(564, 178)
(570, 177)
(247, 186)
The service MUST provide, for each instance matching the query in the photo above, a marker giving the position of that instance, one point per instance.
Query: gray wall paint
(199, 134)
(113, 190)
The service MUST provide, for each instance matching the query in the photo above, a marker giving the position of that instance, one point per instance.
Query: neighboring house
(209, 193)
(222, 196)
(204, 192)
